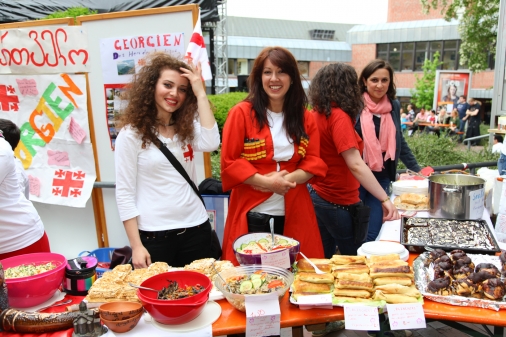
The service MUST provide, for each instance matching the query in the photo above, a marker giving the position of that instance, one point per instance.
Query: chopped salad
(265, 245)
(25, 270)
(259, 282)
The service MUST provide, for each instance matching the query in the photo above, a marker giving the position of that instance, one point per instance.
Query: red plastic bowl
(175, 311)
(25, 292)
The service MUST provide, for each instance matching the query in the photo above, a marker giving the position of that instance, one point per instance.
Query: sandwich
(379, 258)
(315, 278)
(347, 259)
(399, 289)
(308, 287)
(347, 284)
(353, 277)
(394, 298)
(322, 264)
(405, 281)
(352, 293)
(387, 271)
(350, 269)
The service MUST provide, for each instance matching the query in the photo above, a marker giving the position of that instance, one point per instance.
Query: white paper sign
(406, 316)
(361, 317)
(262, 315)
(279, 259)
(320, 301)
(477, 203)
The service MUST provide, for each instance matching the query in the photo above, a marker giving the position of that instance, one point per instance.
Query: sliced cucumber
(263, 241)
(257, 282)
(244, 245)
(245, 286)
(255, 276)
(282, 241)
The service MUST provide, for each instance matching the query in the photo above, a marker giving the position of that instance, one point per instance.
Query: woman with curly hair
(270, 150)
(336, 100)
(380, 128)
(163, 217)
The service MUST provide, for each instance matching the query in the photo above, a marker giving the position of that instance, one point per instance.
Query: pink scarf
(373, 148)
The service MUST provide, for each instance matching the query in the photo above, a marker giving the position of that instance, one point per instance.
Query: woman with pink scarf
(380, 128)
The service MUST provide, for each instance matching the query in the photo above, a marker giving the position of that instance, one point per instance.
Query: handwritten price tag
(406, 316)
(322, 301)
(360, 317)
(262, 315)
(34, 187)
(277, 259)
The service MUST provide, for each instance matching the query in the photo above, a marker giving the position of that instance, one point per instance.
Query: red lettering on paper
(166, 41)
(149, 42)
(141, 42)
(177, 40)
(116, 45)
(125, 44)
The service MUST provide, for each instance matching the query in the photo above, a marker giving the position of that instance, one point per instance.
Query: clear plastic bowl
(238, 300)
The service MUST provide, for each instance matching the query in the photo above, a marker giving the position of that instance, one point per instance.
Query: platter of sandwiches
(375, 280)
(412, 201)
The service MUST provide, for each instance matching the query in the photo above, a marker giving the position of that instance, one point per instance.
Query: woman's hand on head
(390, 211)
(141, 257)
(194, 76)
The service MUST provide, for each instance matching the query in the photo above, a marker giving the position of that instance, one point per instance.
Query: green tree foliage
(478, 21)
(423, 93)
(72, 12)
(223, 103)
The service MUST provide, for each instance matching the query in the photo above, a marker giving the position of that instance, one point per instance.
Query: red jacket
(241, 160)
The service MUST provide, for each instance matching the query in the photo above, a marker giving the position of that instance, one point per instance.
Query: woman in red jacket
(270, 149)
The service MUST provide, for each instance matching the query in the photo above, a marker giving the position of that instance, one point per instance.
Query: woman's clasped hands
(275, 182)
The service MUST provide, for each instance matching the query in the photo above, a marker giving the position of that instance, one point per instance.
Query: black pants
(178, 247)
(259, 222)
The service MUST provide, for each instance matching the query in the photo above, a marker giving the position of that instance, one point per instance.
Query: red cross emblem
(67, 183)
(6, 100)
(188, 155)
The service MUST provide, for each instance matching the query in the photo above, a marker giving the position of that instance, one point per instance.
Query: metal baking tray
(445, 225)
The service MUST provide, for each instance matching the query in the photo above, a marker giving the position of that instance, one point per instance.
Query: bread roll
(322, 264)
(413, 198)
(389, 263)
(378, 258)
(352, 293)
(405, 281)
(347, 259)
(297, 295)
(353, 277)
(315, 278)
(341, 284)
(351, 269)
(399, 289)
(308, 287)
(393, 298)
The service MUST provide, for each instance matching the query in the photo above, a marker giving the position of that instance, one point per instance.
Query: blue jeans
(376, 216)
(461, 128)
(501, 164)
(336, 226)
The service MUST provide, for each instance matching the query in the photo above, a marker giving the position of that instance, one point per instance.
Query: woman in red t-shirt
(337, 100)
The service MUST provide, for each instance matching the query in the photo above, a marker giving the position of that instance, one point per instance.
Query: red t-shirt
(337, 134)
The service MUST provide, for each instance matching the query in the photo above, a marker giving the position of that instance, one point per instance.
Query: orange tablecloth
(233, 321)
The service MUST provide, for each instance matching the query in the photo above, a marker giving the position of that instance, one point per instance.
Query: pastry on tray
(412, 201)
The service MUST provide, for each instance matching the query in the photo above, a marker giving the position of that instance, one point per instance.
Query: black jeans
(178, 247)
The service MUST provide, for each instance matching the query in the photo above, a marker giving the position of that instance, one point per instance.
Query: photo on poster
(126, 67)
(115, 102)
(450, 85)
(212, 218)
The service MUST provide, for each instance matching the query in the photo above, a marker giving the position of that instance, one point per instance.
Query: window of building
(303, 68)
(242, 67)
(322, 34)
(409, 56)
(231, 67)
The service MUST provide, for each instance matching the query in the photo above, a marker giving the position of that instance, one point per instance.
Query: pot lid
(382, 248)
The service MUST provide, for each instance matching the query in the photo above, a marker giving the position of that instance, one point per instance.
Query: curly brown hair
(336, 84)
(141, 112)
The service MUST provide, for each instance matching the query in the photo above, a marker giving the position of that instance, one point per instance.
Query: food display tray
(452, 243)
(424, 273)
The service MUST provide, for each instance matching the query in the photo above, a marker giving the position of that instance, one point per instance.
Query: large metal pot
(456, 196)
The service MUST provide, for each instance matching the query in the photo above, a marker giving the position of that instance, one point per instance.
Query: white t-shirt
(150, 188)
(20, 224)
(497, 148)
(283, 151)
(24, 184)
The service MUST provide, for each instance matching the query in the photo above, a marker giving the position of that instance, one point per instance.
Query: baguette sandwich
(308, 287)
(315, 278)
(322, 264)
(347, 259)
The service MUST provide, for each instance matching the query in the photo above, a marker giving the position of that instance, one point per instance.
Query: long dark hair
(141, 112)
(336, 83)
(295, 101)
(370, 68)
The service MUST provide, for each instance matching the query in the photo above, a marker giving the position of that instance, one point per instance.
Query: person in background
(384, 144)
(474, 118)
(501, 162)
(21, 229)
(404, 119)
(454, 123)
(12, 135)
(411, 112)
(270, 150)
(462, 107)
(498, 145)
(164, 218)
(421, 117)
(432, 119)
(337, 101)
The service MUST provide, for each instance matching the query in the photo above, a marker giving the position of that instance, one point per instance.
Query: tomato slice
(275, 283)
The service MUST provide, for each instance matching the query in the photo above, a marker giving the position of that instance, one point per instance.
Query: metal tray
(426, 222)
